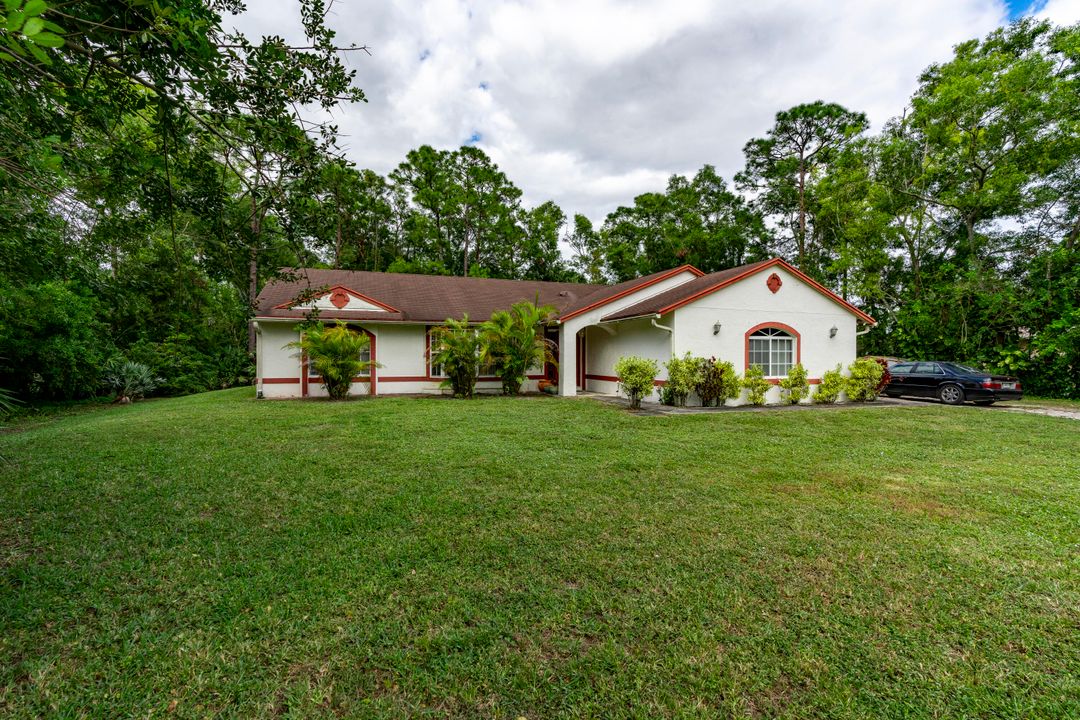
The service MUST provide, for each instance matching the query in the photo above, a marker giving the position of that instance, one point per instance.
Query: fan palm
(514, 342)
(457, 347)
(334, 353)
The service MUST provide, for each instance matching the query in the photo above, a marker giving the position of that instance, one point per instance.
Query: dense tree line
(155, 173)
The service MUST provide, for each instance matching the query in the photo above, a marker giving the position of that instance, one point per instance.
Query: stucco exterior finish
(400, 350)
(569, 329)
(747, 302)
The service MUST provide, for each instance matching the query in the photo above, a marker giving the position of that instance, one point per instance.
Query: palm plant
(457, 347)
(7, 402)
(334, 353)
(514, 342)
(129, 380)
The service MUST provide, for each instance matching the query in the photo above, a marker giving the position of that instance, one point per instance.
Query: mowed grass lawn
(217, 555)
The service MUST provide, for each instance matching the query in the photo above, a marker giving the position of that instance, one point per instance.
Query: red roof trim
(604, 301)
(291, 304)
(753, 271)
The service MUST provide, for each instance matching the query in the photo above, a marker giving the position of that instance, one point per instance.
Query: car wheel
(951, 395)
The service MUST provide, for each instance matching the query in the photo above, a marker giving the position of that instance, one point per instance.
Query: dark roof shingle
(419, 298)
(656, 303)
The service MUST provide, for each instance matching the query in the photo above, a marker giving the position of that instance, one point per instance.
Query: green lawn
(537, 557)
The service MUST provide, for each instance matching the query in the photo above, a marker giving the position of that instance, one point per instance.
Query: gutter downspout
(659, 326)
(258, 358)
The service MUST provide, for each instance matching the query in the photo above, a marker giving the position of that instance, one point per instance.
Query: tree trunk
(802, 212)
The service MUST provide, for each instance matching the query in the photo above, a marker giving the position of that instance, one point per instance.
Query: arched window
(773, 349)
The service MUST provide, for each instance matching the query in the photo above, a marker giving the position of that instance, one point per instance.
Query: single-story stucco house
(767, 313)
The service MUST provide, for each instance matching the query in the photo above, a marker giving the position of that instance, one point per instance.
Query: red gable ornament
(339, 298)
(774, 282)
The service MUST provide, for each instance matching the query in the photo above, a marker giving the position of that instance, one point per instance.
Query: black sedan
(951, 383)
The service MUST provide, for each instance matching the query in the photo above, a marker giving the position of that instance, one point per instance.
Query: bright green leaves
(27, 32)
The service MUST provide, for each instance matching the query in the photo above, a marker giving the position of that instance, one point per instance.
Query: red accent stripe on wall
(281, 381)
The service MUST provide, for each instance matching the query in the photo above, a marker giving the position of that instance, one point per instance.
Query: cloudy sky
(591, 102)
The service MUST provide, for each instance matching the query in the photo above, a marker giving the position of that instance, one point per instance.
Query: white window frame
(780, 351)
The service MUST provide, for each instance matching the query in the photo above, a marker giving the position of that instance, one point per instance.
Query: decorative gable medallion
(774, 282)
(339, 298)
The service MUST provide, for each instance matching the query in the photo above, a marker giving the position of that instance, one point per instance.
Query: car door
(898, 378)
(926, 378)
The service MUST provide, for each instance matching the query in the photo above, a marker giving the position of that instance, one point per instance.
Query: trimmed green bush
(832, 383)
(717, 381)
(864, 380)
(682, 379)
(636, 377)
(796, 386)
(756, 385)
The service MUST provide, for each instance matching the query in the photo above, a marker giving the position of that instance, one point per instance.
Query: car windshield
(956, 367)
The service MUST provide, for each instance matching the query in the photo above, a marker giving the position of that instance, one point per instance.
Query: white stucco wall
(632, 337)
(400, 350)
(568, 330)
(748, 303)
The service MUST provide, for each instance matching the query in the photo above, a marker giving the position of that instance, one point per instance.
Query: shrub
(716, 382)
(129, 380)
(832, 382)
(54, 341)
(636, 377)
(756, 385)
(682, 379)
(795, 386)
(513, 342)
(457, 348)
(864, 379)
(334, 353)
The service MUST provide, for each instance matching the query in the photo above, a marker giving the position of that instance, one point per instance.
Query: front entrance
(551, 370)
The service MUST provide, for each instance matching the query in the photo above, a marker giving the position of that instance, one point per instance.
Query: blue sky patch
(474, 138)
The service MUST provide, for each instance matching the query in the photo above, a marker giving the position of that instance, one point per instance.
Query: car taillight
(991, 385)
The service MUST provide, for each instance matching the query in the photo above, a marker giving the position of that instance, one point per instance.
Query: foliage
(334, 355)
(637, 377)
(756, 385)
(717, 381)
(864, 380)
(795, 386)
(457, 347)
(53, 341)
(8, 401)
(513, 342)
(832, 384)
(682, 379)
(129, 380)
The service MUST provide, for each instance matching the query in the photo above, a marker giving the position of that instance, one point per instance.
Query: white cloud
(589, 103)
(1062, 12)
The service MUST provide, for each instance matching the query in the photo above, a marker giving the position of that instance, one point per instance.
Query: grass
(220, 556)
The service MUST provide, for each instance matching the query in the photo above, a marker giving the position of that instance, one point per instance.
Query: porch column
(568, 359)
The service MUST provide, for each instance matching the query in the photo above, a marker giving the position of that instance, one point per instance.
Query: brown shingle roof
(687, 292)
(421, 298)
(656, 303)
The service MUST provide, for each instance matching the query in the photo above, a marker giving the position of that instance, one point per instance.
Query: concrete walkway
(658, 410)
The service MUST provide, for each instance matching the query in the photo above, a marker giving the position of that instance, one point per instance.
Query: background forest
(156, 171)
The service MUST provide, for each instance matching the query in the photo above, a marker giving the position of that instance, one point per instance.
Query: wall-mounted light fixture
(716, 329)
(832, 331)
